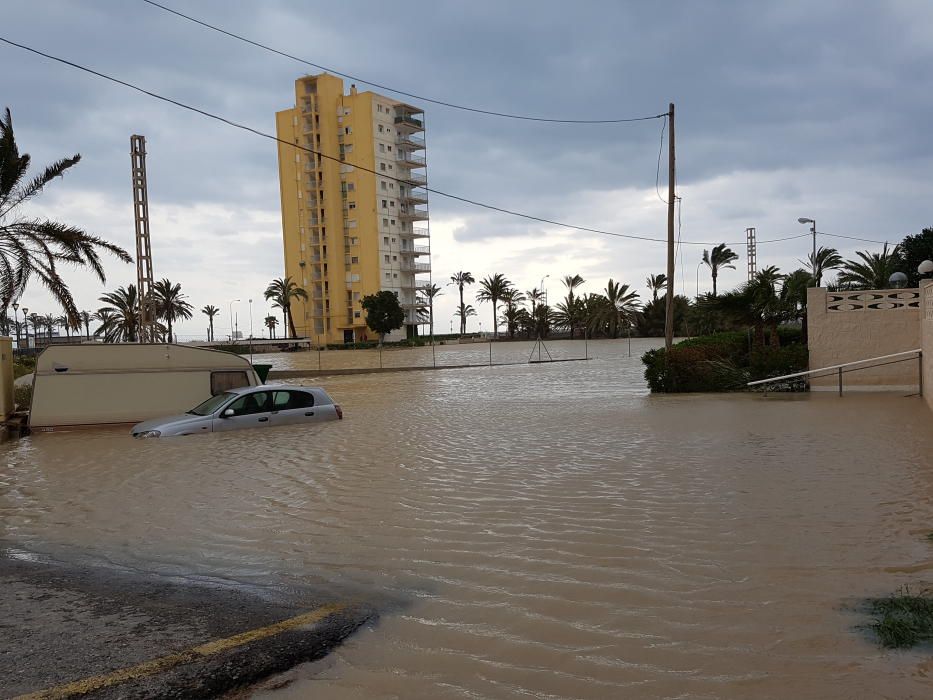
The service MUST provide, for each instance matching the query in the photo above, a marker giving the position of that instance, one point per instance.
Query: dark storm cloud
(759, 87)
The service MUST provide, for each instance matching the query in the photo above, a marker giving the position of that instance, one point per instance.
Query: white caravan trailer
(100, 384)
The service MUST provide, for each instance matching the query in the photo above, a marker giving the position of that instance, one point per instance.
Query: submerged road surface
(95, 633)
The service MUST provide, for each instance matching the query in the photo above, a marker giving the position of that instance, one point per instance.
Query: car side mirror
(227, 413)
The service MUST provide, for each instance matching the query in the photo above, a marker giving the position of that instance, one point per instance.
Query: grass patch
(903, 619)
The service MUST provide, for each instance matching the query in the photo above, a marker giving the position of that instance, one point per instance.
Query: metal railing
(839, 370)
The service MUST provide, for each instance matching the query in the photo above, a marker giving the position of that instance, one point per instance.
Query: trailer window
(225, 381)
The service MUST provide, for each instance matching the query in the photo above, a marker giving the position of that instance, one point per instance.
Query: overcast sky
(784, 109)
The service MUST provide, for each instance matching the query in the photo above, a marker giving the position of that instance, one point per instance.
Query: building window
(354, 240)
(351, 205)
(393, 240)
(394, 258)
(384, 204)
(351, 187)
(382, 166)
(378, 108)
(354, 260)
(382, 148)
(356, 314)
(391, 185)
(395, 275)
(385, 222)
(348, 130)
(390, 149)
(381, 129)
(391, 202)
(387, 258)
(383, 184)
(393, 223)
(387, 275)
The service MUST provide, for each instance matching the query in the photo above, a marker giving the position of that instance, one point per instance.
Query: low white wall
(850, 326)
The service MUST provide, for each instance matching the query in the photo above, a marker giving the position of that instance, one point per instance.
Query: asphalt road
(96, 633)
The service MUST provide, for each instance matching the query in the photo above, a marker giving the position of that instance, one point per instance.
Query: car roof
(264, 387)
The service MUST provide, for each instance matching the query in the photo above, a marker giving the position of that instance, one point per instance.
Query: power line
(851, 238)
(421, 98)
(465, 200)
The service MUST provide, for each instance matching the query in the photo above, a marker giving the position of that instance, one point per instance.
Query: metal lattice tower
(752, 259)
(143, 249)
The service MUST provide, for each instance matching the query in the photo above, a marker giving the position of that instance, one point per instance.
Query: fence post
(920, 374)
(490, 353)
(840, 381)
(433, 356)
(586, 352)
(380, 356)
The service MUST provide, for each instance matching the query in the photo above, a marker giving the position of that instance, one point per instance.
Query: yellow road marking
(149, 668)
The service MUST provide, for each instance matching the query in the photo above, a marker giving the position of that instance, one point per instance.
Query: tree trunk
(759, 335)
(291, 321)
(169, 329)
(775, 340)
(715, 275)
(462, 316)
(495, 320)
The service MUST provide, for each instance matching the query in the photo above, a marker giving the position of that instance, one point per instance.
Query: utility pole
(669, 307)
(752, 252)
(143, 250)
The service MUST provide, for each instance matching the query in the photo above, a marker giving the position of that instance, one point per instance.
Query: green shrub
(722, 362)
(22, 397)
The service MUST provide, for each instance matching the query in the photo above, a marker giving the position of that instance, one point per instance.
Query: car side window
(258, 402)
(288, 400)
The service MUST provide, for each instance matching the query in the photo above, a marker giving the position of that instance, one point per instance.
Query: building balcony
(412, 197)
(416, 250)
(415, 179)
(407, 124)
(418, 303)
(411, 213)
(414, 267)
(410, 160)
(410, 141)
(416, 232)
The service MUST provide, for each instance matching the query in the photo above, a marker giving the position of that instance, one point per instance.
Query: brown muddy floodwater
(542, 531)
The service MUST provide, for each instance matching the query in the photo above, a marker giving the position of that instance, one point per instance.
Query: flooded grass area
(531, 530)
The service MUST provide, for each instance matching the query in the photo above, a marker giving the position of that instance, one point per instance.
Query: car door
(295, 406)
(252, 410)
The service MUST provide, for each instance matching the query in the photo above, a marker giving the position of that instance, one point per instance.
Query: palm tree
(120, 318)
(535, 296)
(721, 257)
(619, 311)
(431, 291)
(36, 246)
(825, 259)
(873, 271)
(461, 279)
(37, 323)
(492, 289)
(271, 323)
(210, 311)
(656, 283)
(281, 291)
(757, 303)
(463, 313)
(63, 323)
(86, 317)
(513, 300)
(570, 310)
(50, 322)
(170, 304)
(571, 282)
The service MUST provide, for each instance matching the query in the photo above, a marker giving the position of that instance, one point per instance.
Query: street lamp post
(26, 325)
(804, 220)
(230, 309)
(699, 264)
(251, 331)
(16, 323)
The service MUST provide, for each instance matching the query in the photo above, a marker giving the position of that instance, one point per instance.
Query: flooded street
(530, 530)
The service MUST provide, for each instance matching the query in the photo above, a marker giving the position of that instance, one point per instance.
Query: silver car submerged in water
(247, 407)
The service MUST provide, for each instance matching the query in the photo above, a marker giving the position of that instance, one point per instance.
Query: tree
(35, 247)
(825, 259)
(492, 289)
(461, 279)
(513, 300)
(430, 292)
(271, 323)
(170, 304)
(63, 323)
(120, 318)
(613, 310)
(758, 304)
(210, 311)
(37, 323)
(281, 291)
(913, 251)
(569, 313)
(872, 270)
(86, 317)
(651, 321)
(721, 257)
(535, 296)
(656, 283)
(463, 313)
(384, 314)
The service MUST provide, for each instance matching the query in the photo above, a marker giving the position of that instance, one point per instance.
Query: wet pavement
(100, 633)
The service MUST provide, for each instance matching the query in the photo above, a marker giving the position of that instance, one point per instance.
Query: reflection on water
(536, 531)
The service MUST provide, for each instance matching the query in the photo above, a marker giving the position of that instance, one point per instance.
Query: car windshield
(212, 404)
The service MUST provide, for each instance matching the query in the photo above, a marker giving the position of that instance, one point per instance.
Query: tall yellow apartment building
(357, 224)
